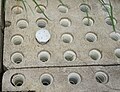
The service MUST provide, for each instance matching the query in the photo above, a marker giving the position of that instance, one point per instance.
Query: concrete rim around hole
(17, 9)
(70, 55)
(115, 36)
(41, 22)
(95, 54)
(17, 58)
(91, 37)
(47, 79)
(63, 8)
(117, 53)
(22, 23)
(42, 7)
(74, 78)
(88, 21)
(17, 80)
(109, 22)
(101, 77)
(65, 22)
(44, 56)
(17, 39)
(67, 38)
(85, 7)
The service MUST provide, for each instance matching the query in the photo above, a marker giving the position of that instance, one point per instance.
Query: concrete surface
(31, 79)
(24, 25)
(67, 55)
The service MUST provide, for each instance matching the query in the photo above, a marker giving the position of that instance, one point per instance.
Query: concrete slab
(70, 79)
(21, 49)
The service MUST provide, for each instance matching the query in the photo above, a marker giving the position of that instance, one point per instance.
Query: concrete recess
(62, 79)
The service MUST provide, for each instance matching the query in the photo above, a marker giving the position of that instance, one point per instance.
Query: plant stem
(109, 13)
(41, 9)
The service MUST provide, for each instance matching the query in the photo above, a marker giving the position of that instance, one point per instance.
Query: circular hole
(106, 7)
(85, 8)
(40, 8)
(17, 58)
(69, 56)
(115, 36)
(91, 37)
(17, 80)
(74, 78)
(101, 77)
(46, 79)
(67, 38)
(17, 9)
(44, 56)
(41, 22)
(22, 24)
(63, 8)
(95, 54)
(88, 21)
(65, 22)
(43, 36)
(109, 21)
(17, 39)
(117, 53)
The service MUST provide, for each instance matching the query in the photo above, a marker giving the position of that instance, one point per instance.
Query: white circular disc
(43, 36)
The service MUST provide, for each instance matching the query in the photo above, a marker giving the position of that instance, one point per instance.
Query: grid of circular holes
(74, 78)
(65, 22)
(85, 8)
(17, 9)
(95, 54)
(101, 77)
(88, 21)
(40, 8)
(115, 36)
(44, 56)
(117, 52)
(91, 37)
(67, 38)
(41, 22)
(17, 80)
(63, 8)
(109, 21)
(46, 79)
(22, 23)
(69, 55)
(17, 39)
(17, 58)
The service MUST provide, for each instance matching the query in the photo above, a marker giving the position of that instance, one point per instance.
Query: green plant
(110, 12)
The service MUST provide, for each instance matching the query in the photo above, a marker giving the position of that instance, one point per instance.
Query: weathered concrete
(30, 48)
(30, 79)
(27, 59)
